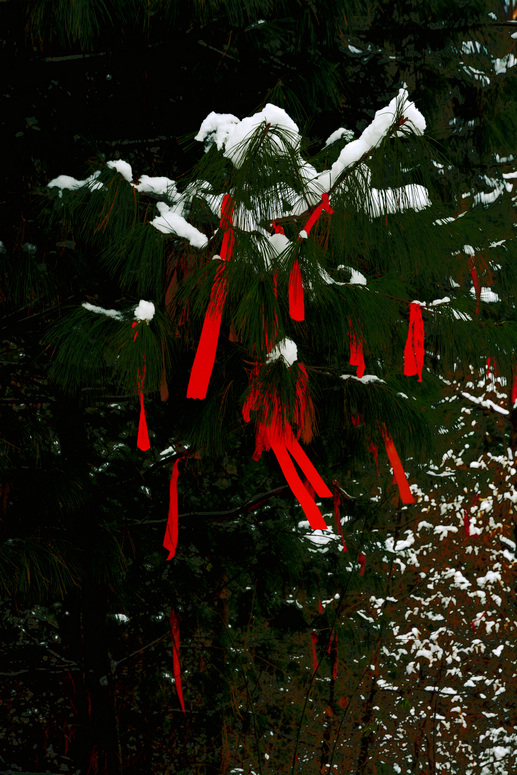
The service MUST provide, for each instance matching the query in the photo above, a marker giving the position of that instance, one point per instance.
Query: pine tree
(110, 256)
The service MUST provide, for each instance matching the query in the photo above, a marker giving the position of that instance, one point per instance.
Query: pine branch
(220, 516)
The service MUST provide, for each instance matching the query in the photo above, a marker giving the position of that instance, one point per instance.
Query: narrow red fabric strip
(356, 354)
(142, 442)
(398, 471)
(296, 300)
(314, 639)
(414, 350)
(309, 507)
(207, 347)
(175, 634)
(323, 205)
(308, 468)
(170, 540)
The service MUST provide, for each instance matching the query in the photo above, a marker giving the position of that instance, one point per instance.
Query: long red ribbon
(278, 436)
(356, 353)
(398, 471)
(207, 347)
(296, 299)
(414, 349)
(314, 639)
(170, 540)
(303, 497)
(514, 386)
(362, 563)
(142, 440)
(175, 634)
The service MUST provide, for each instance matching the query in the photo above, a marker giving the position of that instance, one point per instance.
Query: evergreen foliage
(296, 656)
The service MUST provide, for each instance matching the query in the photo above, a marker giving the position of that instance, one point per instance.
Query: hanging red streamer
(314, 639)
(362, 563)
(296, 299)
(206, 350)
(275, 433)
(142, 441)
(514, 387)
(170, 540)
(398, 471)
(323, 205)
(282, 453)
(356, 353)
(175, 634)
(414, 349)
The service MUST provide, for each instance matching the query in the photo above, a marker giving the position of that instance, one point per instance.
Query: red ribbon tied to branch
(314, 641)
(175, 634)
(414, 349)
(205, 355)
(170, 540)
(356, 353)
(142, 441)
(275, 433)
(398, 471)
(296, 300)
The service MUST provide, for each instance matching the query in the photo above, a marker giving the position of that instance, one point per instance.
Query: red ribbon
(205, 354)
(314, 638)
(175, 634)
(276, 434)
(283, 449)
(142, 441)
(296, 300)
(414, 349)
(323, 205)
(514, 386)
(170, 540)
(398, 471)
(320, 607)
(362, 562)
(356, 353)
